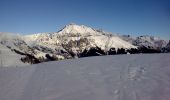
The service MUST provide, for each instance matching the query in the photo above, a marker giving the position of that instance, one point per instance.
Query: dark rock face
(94, 51)
(50, 58)
(30, 59)
(121, 51)
(78, 44)
(112, 51)
(144, 49)
(167, 48)
(43, 49)
(133, 51)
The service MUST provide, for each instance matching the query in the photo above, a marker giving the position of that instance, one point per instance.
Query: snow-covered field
(119, 77)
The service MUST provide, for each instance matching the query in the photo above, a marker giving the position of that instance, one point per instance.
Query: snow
(77, 29)
(105, 42)
(39, 38)
(9, 58)
(119, 77)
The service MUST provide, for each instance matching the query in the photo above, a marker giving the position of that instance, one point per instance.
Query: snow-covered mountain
(150, 41)
(73, 32)
(145, 41)
(74, 41)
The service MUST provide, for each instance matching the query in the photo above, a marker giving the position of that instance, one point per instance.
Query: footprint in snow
(135, 73)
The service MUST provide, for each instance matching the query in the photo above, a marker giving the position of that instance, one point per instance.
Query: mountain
(75, 33)
(150, 41)
(76, 41)
(146, 41)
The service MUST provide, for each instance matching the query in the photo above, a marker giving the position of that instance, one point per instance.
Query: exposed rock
(94, 51)
(167, 48)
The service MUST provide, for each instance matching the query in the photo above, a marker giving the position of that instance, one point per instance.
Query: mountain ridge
(76, 41)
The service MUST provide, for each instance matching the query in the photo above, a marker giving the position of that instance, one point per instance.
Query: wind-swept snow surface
(119, 77)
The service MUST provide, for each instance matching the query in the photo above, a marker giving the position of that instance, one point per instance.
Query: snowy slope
(73, 29)
(9, 58)
(13, 42)
(19, 47)
(120, 77)
(10, 40)
(38, 38)
(95, 37)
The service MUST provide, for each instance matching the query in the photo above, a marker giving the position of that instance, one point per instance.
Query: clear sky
(135, 17)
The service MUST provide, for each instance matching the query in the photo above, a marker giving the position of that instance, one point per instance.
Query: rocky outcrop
(94, 51)
(167, 48)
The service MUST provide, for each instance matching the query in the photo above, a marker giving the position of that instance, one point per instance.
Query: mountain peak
(72, 23)
(73, 28)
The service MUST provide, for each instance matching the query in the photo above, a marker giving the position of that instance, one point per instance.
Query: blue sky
(134, 17)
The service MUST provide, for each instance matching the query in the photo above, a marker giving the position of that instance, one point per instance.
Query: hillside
(119, 77)
(9, 58)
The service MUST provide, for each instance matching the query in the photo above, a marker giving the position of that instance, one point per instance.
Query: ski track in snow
(119, 77)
